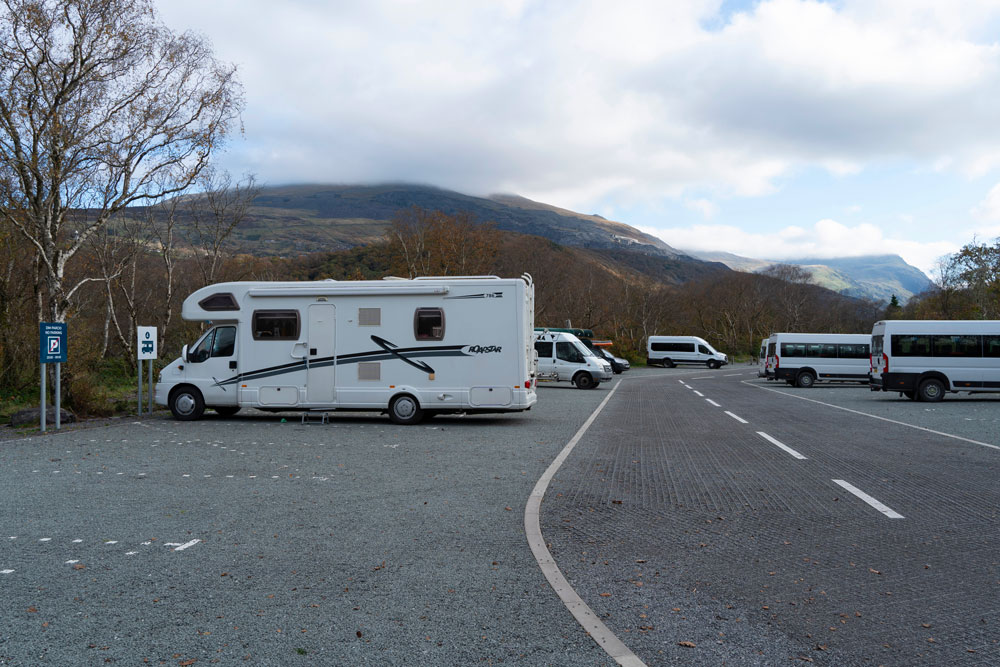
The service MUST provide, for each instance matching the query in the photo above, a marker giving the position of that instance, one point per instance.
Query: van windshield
(584, 350)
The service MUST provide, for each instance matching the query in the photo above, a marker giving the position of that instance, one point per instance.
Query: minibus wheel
(931, 390)
(584, 381)
(186, 403)
(712, 363)
(404, 409)
(805, 379)
(667, 363)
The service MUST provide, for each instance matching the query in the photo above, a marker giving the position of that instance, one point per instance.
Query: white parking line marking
(732, 375)
(868, 499)
(45, 539)
(186, 545)
(703, 377)
(781, 445)
(584, 615)
(885, 419)
(6, 571)
(699, 393)
(713, 402)
(739, 419)
(70, 562)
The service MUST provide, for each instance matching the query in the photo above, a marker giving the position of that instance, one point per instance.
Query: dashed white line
(892, 514)
(739, 419)
(6, 571)
(781, 445)
(186, 545)
(713, 402)
(699, 393)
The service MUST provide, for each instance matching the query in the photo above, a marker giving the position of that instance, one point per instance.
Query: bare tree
(101, 107)
(215, 214)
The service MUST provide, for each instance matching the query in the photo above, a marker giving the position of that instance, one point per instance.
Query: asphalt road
(696, 539)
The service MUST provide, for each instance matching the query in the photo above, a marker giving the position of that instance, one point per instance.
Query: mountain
(304, 218)
(875, 277)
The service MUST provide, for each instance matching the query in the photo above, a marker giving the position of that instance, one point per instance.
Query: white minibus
(802, 359)
(762, 359)
(668, 351)
(923, 359)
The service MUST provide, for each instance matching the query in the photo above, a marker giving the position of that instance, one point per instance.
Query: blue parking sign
(52, 342)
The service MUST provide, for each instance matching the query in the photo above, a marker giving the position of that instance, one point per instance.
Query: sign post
(146, 349)
(52, 350)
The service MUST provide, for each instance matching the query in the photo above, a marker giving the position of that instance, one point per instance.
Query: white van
(923, 359)
(762, 359)
(562, 357)
(406, 347)
(668, 351)
(802, 359)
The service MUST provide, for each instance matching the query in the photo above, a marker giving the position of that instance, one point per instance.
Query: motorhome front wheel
(186, 403)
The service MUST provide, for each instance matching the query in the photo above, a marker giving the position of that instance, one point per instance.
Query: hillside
(303, 218)
(875, 277)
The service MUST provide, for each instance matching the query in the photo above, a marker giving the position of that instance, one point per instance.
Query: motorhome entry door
(321, 376)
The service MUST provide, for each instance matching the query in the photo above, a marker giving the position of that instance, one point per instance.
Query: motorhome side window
(275, 324)
(428, 324)
(544, 349)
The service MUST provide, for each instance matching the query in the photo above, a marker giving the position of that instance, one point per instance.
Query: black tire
(404, 409)
(712, 363)
(584, 381)
(226, 410)
(931, 390)
(667, 363)
(187, 404)
(805, 380)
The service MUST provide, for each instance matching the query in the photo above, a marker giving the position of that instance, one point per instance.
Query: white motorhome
(802, 359)
(668, 351)
(406, 347)
(923, 359)
(562, 357)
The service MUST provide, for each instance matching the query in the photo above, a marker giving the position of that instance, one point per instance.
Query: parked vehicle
(762, 359)
(668, 351)
(923, 359)
(563, 358)
(772, 353)
(406, 347)
(618, 365)
(802, 359)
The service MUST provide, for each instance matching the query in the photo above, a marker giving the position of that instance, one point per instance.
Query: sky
(774, 129)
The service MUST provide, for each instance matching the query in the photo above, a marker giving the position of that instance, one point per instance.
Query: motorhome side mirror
(184, 354)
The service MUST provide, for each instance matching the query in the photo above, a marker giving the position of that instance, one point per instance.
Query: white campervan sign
(146, 344)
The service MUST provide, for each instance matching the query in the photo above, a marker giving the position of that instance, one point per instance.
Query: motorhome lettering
(407, 347)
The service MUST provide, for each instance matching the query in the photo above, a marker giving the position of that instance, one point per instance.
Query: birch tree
(101, 107)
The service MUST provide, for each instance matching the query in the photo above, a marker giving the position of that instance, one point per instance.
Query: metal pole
(43, 398)
(140, 387)
(150, 386)
(58, 396)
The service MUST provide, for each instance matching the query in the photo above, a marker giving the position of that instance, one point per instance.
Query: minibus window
(828, 351)
(991, 346)
(911, 346)
(956, 346)
(544, 349)
(877, 345)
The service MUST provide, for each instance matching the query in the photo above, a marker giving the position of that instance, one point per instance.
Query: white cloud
(590, 99)
(707, 208)
(825, 239)
(988, 210)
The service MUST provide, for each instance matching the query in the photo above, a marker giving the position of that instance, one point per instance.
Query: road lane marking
(732, 375)
(699, 393)
(781, 445)
(186, 545)
(6, 571)
(713, 402)
(739, 419)
(866, 414)
(892, 514)
(703, 377)
(584, 615)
